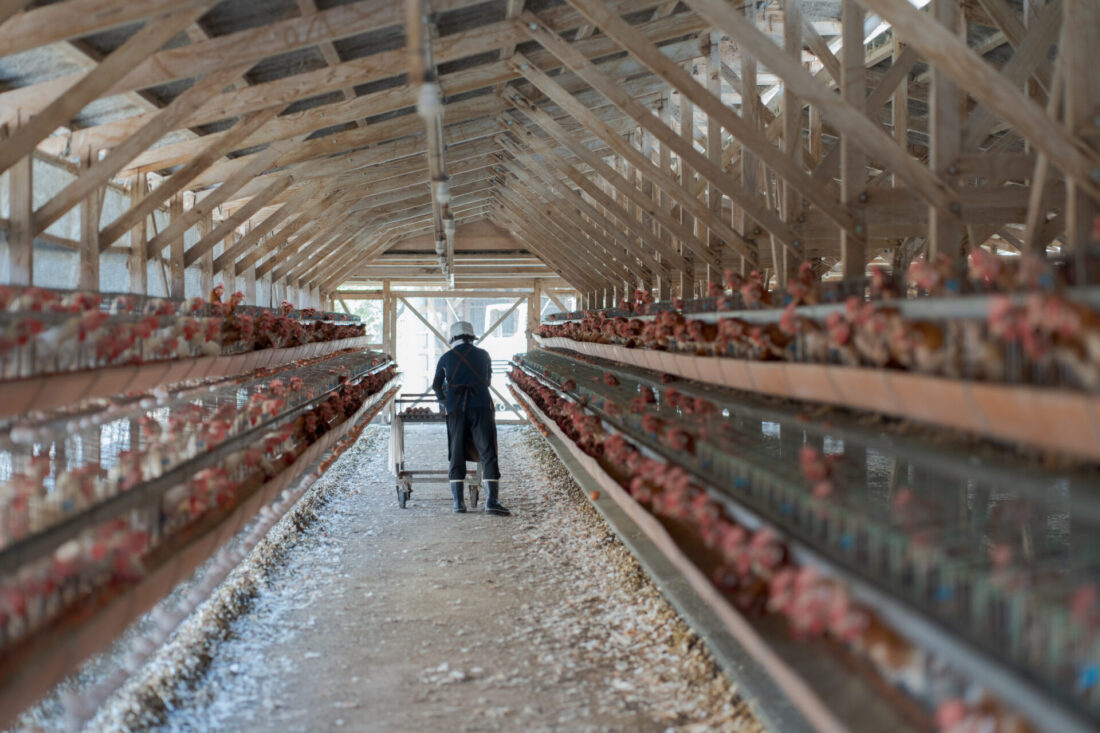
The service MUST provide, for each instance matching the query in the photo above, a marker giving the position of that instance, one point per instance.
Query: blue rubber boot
(492, 506)
(456, 493)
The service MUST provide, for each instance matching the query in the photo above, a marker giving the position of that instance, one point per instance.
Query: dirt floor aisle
(418, 619)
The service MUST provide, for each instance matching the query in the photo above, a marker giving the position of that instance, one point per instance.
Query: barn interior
(801, 294)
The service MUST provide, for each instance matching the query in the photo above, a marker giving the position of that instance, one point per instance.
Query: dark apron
(462, 395)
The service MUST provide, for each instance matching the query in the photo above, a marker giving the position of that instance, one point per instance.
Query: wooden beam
(102, 170)
(1015, 33)
(424, 320)
(583, 208)
(1081, 39)
(345, 223)
(712, 64)
(388, 100)
(180, 178)
(8, 8)
(503, 317)
(334, 277)
(243, 47)
(793, 23)
(625, 151)
(1029, 56)
(88, 263)
(228, 257)
(226, 227)
(207, 205)
(137, 262)
(86, 56)
(945, 143)
(583, 246)
(585, 230)
(820, 48)
(949, 54)
(552, 252)
(744, 132)
(376, 67)
(899, 105)
(548, 251)
(175, 253)
(68, 100)
(313, 216)
(685, 176)
(846, 119)
(21, 222)
(329, 53)
(894, 82)
(1038, 196)
(853, 163)
(73, 19)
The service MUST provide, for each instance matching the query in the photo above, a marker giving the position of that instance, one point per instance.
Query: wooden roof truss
(623, 143)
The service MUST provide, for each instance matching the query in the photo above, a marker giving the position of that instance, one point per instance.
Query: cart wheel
(473, 496)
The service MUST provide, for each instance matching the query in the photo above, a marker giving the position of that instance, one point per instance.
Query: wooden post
(900, 110)
(1081, 38)
(664, 284)
(648, 141)
(249, 276)
(206, 263)
(21, 226)
(389, 320)
(749, 165)
(175, 252)
(714, 142)
(945, 143)
(687, 134)
(853, 162)
(792, 134)
(534, 312)
(138, 264)
(88, 266)
(816, 127)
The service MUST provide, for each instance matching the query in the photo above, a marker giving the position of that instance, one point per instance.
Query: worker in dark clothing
(461, 386)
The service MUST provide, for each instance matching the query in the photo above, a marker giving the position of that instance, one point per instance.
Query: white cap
(461, 328)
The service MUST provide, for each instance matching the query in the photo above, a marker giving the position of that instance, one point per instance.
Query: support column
(175, 252)
(138, 265)
(714, 144)
(229, 271)
(21, 222)
(534, 312)
(900, 111)
(249, 276)
(88, 266)
(792, 139)
(664, 284)
(389, 320)
(945, 143)
(1081, 38)
(687, 133)
(749, 162)
(647, 188)
(853, 163)
(206, 263)
(817, 151)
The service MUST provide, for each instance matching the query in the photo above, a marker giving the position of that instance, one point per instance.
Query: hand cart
(420, 408)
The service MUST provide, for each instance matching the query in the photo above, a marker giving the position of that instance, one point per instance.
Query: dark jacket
(462, 377)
